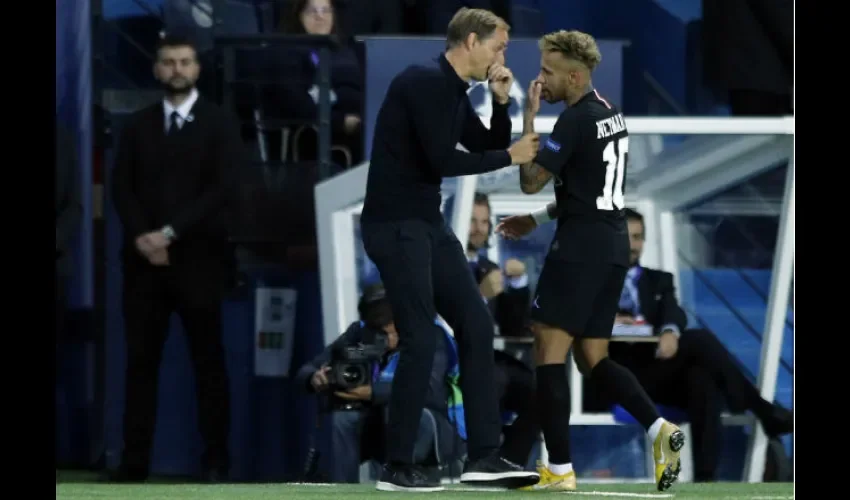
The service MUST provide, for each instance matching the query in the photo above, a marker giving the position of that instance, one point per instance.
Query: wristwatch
(169, 233)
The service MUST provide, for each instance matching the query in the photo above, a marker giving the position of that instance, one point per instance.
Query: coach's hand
(500, 79)
(359, 393)
(525, 149)
(516, 226)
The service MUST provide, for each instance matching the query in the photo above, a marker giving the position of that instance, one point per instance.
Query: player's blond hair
(467, 21)
(573, 45)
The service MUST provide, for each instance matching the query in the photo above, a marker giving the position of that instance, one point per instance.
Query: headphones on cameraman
(371, 294)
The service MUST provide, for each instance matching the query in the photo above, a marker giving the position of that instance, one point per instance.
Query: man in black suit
(506, 290)
(68, 214)
(689, 369)
(174, 167)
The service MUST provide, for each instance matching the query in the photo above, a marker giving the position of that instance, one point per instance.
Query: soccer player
(579, 289)
(425, 114)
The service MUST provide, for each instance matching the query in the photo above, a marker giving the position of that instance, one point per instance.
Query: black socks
(624, 389)
(553, 401)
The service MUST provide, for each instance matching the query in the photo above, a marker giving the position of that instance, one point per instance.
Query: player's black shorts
(581, 298)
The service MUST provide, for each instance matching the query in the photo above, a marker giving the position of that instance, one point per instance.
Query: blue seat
(669, 413)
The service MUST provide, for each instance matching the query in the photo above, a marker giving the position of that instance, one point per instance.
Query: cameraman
(358, 414)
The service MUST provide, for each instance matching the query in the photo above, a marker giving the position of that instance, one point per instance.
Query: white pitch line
(579, 493)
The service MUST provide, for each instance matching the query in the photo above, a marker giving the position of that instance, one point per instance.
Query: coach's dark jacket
(185, 180)
(659, 307)
(510, 308)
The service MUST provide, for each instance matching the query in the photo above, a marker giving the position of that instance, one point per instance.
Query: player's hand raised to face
(525, 149)
(500, 79)
(516, 226)
(532, 101)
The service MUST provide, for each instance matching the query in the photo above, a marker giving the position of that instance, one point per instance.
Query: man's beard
(171, 88)
(472, 247)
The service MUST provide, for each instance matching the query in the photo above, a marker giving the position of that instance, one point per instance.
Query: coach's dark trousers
(425, 272)
(193, 288)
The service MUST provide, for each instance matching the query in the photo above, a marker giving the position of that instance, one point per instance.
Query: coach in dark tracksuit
(425, 114)
(173, 171)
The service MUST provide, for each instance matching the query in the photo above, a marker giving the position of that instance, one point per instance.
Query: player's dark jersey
(587, 153)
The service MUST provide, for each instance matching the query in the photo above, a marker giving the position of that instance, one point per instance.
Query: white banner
(274, 324)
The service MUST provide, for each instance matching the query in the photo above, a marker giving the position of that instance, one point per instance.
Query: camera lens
(352, 374)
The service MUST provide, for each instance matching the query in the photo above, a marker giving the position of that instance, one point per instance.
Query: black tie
(174, 127)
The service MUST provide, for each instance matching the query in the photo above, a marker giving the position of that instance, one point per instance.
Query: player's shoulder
(594, 106)
(604, 118)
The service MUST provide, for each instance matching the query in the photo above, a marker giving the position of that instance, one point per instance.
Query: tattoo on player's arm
(532, 177)
(553, 211)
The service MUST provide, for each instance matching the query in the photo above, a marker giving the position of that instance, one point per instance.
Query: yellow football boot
(549, 481)
(665, 449)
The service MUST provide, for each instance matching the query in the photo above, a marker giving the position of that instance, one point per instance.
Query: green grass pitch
(87, 488)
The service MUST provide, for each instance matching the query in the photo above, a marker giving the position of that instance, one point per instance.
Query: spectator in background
(318, 17)
(68, 215)
(688, 369)
(174, 168)
(506, 290)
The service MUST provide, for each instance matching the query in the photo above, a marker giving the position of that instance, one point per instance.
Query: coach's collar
(451, 73)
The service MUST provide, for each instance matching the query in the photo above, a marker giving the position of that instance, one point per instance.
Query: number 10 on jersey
(615, 172)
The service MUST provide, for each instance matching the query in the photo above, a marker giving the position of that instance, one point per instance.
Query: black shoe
(778, 422)
(124, 474)
(407, 478)
(497, 471)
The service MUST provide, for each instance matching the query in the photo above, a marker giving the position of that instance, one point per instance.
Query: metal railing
(227, 46)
